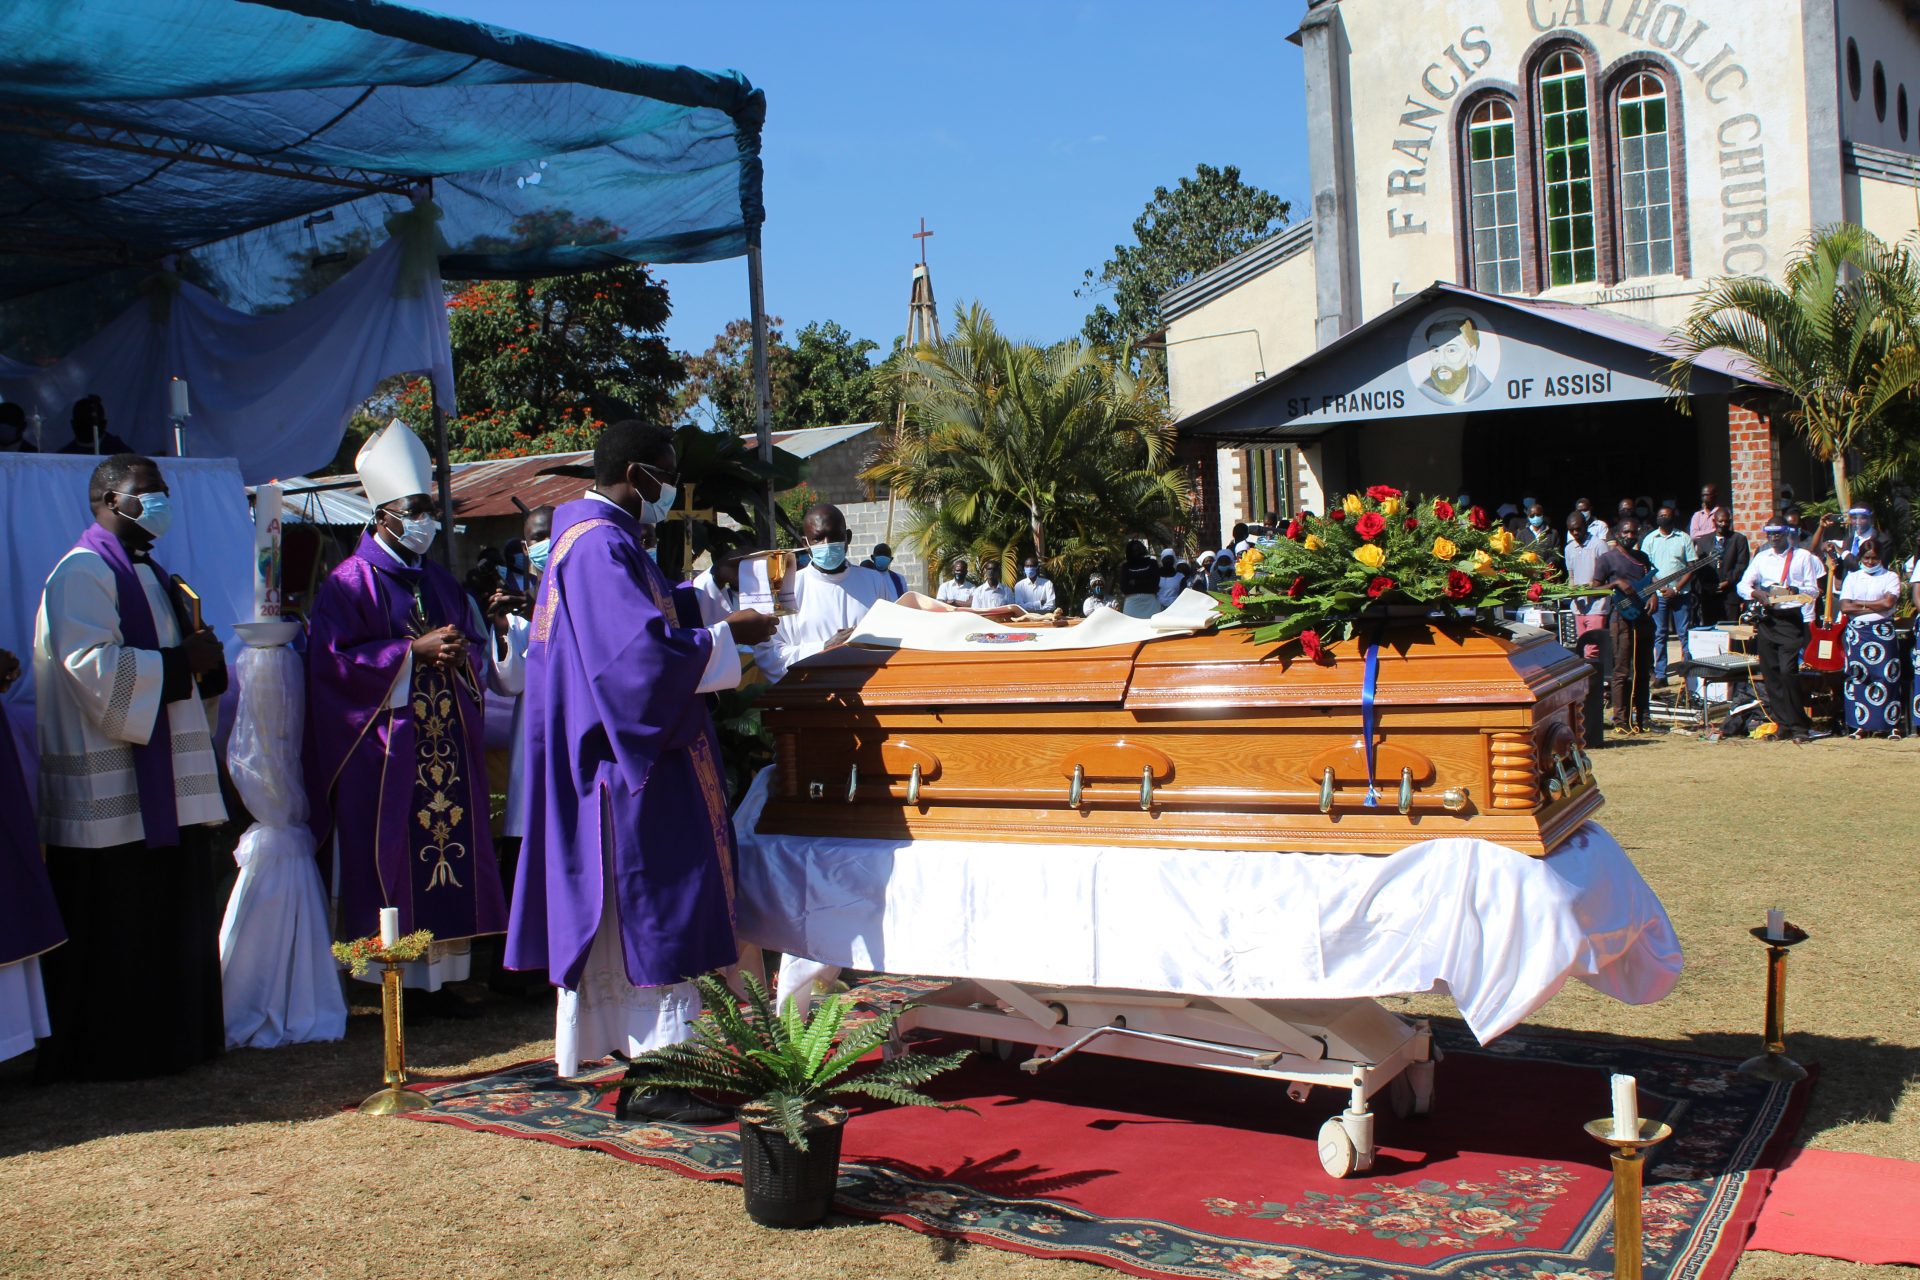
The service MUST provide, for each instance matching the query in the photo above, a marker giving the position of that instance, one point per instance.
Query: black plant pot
(785, 1186)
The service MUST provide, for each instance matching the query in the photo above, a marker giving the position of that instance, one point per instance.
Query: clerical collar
(393, 553)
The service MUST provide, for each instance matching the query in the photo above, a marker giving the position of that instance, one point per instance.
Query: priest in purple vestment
(397, 660)
(625, 888)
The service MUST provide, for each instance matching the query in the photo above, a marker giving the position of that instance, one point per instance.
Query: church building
(1513, 203)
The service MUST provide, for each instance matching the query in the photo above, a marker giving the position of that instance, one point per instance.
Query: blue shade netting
(271, 141)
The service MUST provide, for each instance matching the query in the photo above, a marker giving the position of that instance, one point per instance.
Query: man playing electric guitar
(1783, 582)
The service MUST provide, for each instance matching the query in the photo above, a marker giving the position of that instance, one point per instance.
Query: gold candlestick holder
(1628, 1179)
(1774, 1064)
(396, 1098)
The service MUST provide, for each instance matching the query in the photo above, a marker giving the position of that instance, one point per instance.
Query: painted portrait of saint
(1453, 344)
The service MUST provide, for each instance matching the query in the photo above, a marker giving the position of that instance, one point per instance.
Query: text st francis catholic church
(1512, 202)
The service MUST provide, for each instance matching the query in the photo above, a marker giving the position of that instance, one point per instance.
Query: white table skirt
(1498, 930)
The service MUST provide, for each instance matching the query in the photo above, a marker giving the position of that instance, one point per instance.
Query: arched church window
(1566, 170)
(1493, 186)
(1646, 178)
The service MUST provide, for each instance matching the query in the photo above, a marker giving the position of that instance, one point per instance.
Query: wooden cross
(921, 235)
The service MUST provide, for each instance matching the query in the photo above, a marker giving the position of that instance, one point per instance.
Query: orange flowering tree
(1377, 549)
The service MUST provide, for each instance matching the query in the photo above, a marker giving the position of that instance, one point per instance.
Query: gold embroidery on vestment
(437, 771)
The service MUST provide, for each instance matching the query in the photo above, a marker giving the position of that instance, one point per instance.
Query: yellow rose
(1389, 506)
(1249, 561)
(1527, 557)
(1501, 541)
(1444, 550)
(1371, 556)
(1312, 543)
(1482, 562)
(1352, 504)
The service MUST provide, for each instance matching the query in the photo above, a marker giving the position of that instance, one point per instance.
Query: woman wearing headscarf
(1868, 596)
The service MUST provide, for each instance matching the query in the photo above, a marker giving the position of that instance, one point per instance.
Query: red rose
(1370, 526)
(1338, 513)
(1294, 530)
(1311, 646)
(1299, 585)
(1379, 585)
(1459, 585)
(1239, 595)
(1381, 492)
(1479, 519)
(1535, 591)
(1410, 523)
(1443, 510)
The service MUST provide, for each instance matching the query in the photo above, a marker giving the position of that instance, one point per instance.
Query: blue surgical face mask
(1536, 521)
(881, 562)
(653, 554)
(537, 554)
(521, 563)
(1874, 568)
(829, 557)
(156, 512)
(500, 572)
(1032, 572)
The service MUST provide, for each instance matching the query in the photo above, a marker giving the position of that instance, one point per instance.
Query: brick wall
(1755, 458)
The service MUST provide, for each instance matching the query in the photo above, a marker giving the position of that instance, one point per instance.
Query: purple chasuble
(152, 759)
(404, 788)
(29, 917)
(619, 750)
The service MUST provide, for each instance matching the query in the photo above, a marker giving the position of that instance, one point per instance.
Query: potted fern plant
(789, 1068)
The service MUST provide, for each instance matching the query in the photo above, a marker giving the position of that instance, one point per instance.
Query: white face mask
(418, 532)
(655, 512)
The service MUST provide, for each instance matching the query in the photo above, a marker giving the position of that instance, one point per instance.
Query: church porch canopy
(1453, 350)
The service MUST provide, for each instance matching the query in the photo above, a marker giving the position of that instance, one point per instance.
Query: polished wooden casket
(1204, 741)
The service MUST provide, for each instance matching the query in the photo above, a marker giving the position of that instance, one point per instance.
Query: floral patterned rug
(1159, 1171)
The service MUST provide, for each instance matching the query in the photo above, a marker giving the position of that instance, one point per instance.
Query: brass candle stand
(1628, 1179)
(396, 1098)
(1774, 1064)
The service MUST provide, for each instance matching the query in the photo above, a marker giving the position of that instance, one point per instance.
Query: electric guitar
(1631, 606)
(1825, 652)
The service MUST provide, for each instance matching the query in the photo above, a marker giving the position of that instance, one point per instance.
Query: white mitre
(393, 464)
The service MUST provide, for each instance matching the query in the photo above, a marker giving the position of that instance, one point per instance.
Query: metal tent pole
(762, 388)
(443, 471)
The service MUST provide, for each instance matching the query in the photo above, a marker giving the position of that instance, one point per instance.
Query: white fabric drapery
(272, 391)
(1499, 930)
(277, 973)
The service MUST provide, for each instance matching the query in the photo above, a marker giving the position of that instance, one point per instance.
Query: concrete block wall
(867, 522)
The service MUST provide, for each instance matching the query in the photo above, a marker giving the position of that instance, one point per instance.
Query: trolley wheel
(1400, 1096)
(1419, 1078)
(1338, 1155)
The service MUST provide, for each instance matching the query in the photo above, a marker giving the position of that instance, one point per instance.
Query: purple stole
(152, 759)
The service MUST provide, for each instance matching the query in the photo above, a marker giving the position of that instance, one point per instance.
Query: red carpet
(1164, 1172)
(1838, 1205)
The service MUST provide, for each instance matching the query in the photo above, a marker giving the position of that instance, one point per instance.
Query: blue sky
(1029, 135)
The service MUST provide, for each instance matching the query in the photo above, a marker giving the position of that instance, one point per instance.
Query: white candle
(177, 398)
(1776, 923)
(1626, 1108)
(390, 928)
(267, 503)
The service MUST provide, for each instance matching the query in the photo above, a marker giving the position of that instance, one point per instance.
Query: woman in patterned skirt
(1868, 597)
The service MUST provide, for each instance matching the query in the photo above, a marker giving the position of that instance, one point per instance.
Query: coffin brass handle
(1560, 772)
(1453, 799)
(1555, 788)
(913, 786)
(1584, 763)
(853, 781)
(1326, 790)
(1406, 790)
(1146, 787)
(1073, 788)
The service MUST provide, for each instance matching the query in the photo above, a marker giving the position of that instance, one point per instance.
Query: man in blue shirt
(1669, 550)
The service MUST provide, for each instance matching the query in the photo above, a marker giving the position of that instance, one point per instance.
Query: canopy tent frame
(644, 125)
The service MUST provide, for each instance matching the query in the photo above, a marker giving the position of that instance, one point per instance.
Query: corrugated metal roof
(1237, 270)
(330, 500)
(808, 441)
(485, 489)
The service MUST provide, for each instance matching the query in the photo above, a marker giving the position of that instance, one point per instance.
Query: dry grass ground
(249, 1167)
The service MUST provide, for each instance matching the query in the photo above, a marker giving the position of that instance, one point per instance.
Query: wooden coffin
(1205, 742)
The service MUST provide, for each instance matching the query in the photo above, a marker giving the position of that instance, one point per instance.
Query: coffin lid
(1420, 664)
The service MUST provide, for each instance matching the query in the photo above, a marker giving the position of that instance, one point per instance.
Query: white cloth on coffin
(890, 626)
(827, 604)
(1498, 929)
(23, 1007)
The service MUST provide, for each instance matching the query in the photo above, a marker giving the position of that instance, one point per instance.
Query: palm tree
(1010, 447)
(1841, 337)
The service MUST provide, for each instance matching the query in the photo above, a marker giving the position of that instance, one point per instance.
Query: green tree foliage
(1011, 448)
(1840, 337)
(822, 379)
(1196, 226)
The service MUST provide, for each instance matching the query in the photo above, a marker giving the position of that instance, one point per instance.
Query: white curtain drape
(277, 974)
(272, 391)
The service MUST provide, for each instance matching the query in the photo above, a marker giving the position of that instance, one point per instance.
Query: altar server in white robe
(831, 594)
(29, 919)
(127, 683)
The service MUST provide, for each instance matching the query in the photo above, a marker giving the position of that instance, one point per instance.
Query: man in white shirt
(883, 561)
(1096, 597)
(957, 590)
(1034, 591)
(832, 595)
(991, 594)
(1780, 636)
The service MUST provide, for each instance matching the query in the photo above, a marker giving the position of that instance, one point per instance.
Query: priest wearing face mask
(831, 594)
(128, 682)
(397, 658)
(625, 890)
